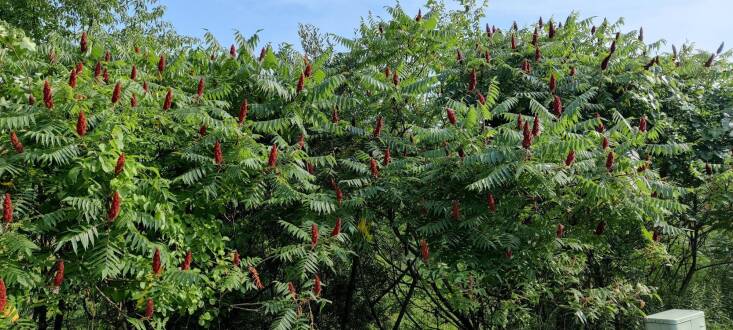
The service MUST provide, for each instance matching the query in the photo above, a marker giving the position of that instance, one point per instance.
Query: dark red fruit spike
(641, 34)
(186, 265)
(378, 126)
(81, 124)
(455, 209)
(168, 100)
(336, 228)
(557, 106)
(116, 92)
(472, 80)
(3, 296)
(83, 42)
(218, 154)
(527, 136)
(161, 64)
(600, 228)
(553, 84)
(272, 158)
(604, 63)
(642, 124)
(47, 95)
(317, 286)
(609, 161)
(314, 235)
(335, 116)
(293, 292)
(149, 309)
(120, 166)
(301, 83)
(374, 168)
(560, 231)
(7, 209)
(424, 251)
(114, 208)
(570, 158)
(72, 79)
(255, 277)
(710, 60)
(263, 52)
(200, 87)
(481, 98)
(15, 141)
(451, 114)
(59, 277)
(536, 127)
(243, 111)
(520, 123)
(601, 127)
(551, 32)
(156, 262)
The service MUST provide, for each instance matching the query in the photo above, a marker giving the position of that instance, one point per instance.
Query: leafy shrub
(467, 178)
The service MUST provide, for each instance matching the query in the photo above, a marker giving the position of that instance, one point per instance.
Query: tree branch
(407, 298)
(714, 265)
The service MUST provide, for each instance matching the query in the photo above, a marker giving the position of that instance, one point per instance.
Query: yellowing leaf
(363, 227)
(10, 312)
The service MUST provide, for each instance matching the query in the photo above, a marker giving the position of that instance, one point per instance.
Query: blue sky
(705, 22)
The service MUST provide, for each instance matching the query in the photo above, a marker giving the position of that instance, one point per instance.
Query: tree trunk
(350, 293)
(58, 321)
(40, 313)
(406, 302)
(693, 266)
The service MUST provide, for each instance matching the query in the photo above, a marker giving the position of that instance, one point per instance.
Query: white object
(676, 319)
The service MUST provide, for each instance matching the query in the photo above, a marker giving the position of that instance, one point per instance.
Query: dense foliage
(432, 173)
